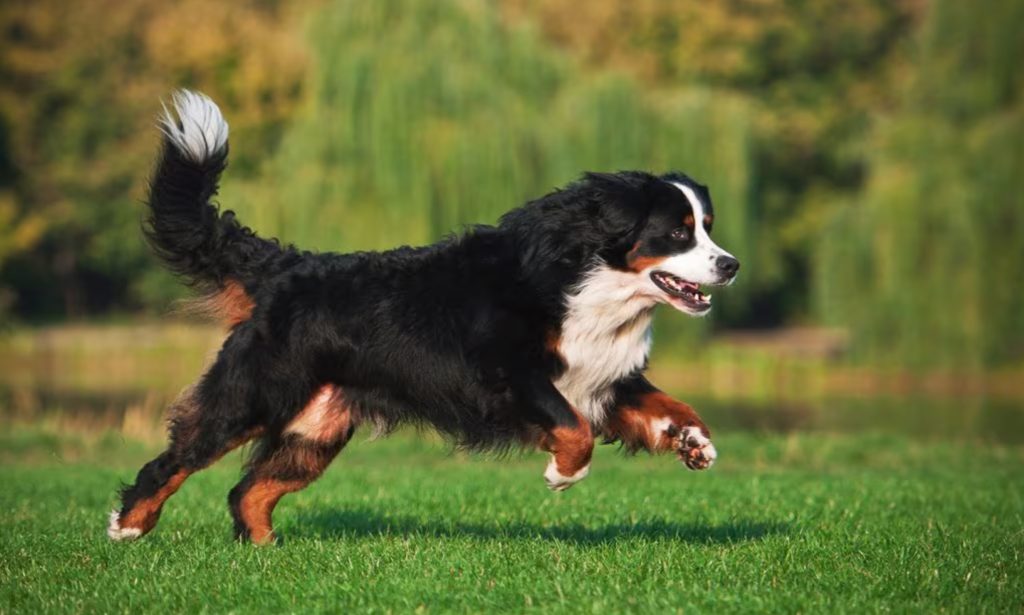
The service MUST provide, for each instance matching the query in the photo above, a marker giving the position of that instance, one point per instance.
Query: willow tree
(425, 117)
(924, 267)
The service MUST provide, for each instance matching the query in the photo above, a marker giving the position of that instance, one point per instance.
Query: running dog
(531, 333)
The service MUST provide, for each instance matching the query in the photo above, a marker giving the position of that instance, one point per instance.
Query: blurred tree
(78, 84)
(922, 265)
(814, 73)
(866, 155)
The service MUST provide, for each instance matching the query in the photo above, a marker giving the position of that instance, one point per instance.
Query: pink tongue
(691, 287)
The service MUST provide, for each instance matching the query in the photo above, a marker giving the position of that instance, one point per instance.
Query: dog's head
(659, 231)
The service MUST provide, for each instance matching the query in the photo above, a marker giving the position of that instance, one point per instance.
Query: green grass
(809, 523)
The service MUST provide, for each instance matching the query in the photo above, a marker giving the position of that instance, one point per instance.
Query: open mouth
(680, 291)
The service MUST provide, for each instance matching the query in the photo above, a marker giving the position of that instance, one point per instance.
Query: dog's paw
(694, 449)
(558, 482)
(117, 533)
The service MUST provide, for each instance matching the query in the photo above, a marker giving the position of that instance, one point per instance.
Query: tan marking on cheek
(646, 262)
(638, 263)
(324, 419)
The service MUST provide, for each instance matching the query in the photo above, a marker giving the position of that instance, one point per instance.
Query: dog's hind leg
(289, 461)
(197, 440)
(195, 444)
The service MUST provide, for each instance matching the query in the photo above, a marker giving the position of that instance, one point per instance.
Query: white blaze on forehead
(698, 214)
(698, 264)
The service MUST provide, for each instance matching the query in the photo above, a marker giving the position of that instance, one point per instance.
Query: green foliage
(864, 156)
(922, 266)
(80, 84)
(812, 75)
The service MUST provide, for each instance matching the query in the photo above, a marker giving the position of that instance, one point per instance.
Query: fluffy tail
(205, 246)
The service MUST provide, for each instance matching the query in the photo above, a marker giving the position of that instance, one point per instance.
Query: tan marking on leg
(660, 423)
(682, 414)
(312, 440)
(256, 507)
(635, 429)
(571, 449)
(654, 424)
(324, 419)
(258, 504)
(144, 515)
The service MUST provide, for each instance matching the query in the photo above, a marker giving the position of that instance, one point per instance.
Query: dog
(534, 332)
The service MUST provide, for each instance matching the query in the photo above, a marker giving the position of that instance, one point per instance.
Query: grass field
(782, 523)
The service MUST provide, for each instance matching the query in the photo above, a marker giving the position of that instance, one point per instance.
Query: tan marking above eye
(688, 220)
(708, 220)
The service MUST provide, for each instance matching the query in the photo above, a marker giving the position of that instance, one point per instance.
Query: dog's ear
(623, 204)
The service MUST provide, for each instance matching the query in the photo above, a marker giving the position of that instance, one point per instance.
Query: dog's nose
(727, 265)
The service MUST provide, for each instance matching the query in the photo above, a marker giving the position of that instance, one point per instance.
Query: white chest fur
(606, 335)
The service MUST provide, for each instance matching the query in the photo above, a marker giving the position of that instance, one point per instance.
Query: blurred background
(866, 160)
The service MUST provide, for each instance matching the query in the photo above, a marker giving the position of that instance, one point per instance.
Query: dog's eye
(681, 234)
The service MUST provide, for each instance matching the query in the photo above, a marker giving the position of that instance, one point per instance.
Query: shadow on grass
(361, 523)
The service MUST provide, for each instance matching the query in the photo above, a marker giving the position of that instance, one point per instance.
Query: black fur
(196, 241)
(149, 480)
(449, 335)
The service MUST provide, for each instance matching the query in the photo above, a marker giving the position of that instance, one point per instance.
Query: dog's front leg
(571, 446)
(564, 433)
(648, 419)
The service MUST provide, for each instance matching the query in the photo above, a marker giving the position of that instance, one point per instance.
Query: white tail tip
(199, 132)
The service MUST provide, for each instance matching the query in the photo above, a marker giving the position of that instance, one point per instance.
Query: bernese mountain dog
(534, 332)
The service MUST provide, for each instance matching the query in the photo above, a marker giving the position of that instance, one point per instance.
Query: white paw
(558, 482)
(695, 450)
(116, 532)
